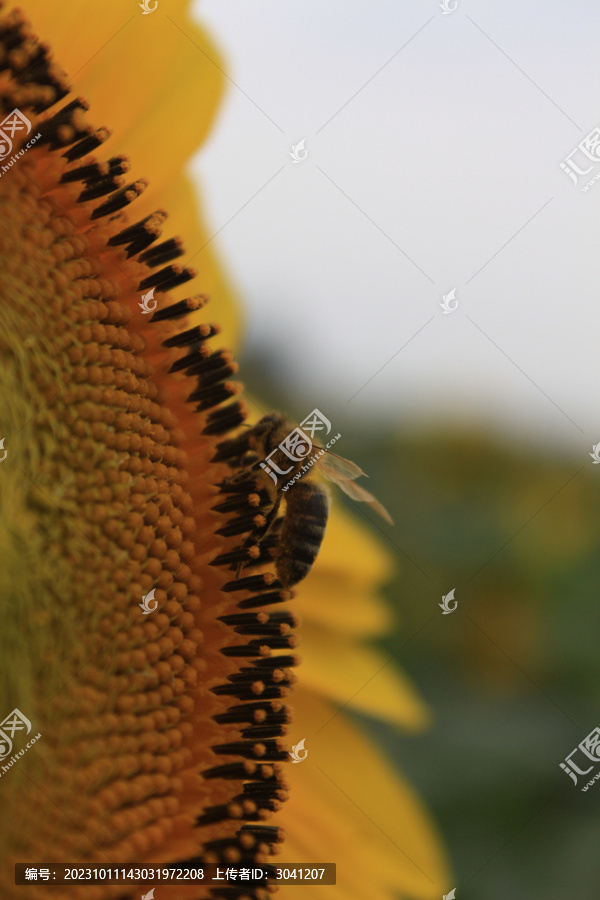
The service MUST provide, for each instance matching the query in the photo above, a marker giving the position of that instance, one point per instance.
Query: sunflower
(160, 684)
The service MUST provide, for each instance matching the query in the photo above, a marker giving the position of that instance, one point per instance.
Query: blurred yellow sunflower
(161, 737)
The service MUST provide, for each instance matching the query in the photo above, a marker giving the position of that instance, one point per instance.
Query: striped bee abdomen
(304, 524)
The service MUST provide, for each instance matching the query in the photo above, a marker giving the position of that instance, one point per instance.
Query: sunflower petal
(359, 677)
(342, 597)
(378, 821)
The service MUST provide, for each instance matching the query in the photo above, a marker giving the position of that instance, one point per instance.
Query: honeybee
(294, 540)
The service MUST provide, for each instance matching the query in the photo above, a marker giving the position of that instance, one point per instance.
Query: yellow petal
(349, 807)
(347, 539)
(155, 80)
(363, 678)
(340, 591)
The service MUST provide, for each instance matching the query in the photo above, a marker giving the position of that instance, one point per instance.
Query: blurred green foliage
(513, 675)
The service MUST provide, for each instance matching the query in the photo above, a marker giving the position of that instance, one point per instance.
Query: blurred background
(433, 146)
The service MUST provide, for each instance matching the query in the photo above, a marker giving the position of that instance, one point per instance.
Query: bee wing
(339, 469)
(343, 472)
(358, 493)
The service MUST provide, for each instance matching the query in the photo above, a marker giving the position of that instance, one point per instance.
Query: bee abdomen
(302, 532)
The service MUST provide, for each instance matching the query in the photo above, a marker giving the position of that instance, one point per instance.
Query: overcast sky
(434, 144)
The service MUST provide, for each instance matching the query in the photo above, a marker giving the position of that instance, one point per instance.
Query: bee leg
(250, 466)
(257, 534)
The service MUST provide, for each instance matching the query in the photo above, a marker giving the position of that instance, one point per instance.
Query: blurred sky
(434, 144)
